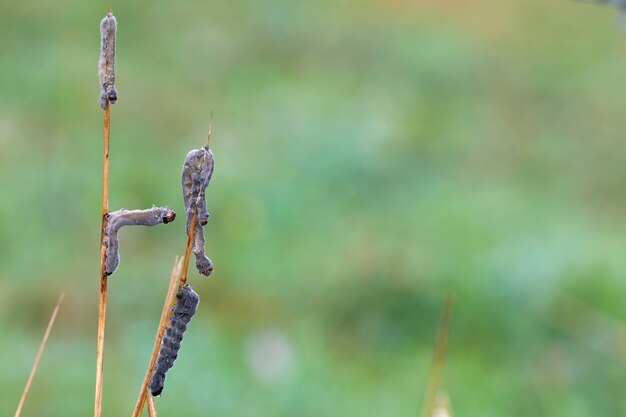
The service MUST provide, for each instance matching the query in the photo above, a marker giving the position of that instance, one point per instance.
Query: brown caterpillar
(106, 64)
(182, 313)
(117, 219)
(197, 172)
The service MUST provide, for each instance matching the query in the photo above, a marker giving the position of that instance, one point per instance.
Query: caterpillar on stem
(106, 64)
(120, 218)
(182, 313)
(197, 172)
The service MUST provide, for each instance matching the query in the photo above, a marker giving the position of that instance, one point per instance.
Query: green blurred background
(370, 156)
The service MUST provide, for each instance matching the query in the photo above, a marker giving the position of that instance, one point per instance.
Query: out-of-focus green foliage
(370, 156)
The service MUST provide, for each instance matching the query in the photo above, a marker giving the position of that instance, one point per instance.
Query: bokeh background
(370, 156)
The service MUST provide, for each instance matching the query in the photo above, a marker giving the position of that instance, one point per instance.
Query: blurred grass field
(370, 156)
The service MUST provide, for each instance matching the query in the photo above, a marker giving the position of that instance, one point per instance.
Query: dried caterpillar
(197, 172)
(106, 64)
(182, 313)
(117, 219)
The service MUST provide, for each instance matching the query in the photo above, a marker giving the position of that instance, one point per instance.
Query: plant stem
(102, 305)
(165, 317)
(192, 229)
(38, 357)
(151, 407)
(439, 356)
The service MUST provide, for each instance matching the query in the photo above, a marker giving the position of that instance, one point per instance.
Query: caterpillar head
(112, 96)
(168, 215)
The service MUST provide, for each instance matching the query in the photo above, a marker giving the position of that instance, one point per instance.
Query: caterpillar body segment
(120, 218)
(182, 313)
(203, 263)
(106, 64)
(197, 172)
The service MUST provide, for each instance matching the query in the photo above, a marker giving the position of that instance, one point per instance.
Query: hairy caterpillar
(197, 172)
(182, 313)
(117, 219)
(106, 64)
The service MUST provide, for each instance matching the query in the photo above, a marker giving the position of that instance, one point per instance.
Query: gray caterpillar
(182, 313)
(117, 219)
(106, 64)
(197, 172)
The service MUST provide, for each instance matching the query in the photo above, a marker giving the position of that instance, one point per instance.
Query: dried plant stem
(192, 228)
(439, 356)
(151, 407)
(105, 162)
(102, 305)
(165, 317)
(38, 357)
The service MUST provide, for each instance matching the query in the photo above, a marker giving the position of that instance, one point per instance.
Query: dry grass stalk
(33, 371)
(192, 228)
(102, 304)
(439, 356)
(151, 407)
(170, 299)
(442, 405)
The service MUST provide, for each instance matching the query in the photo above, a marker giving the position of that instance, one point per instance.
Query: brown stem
(38, 357)
(105, 162)
(102, 305)
(439, 356)
(165, 317)
(151, 407)
(192, 228)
